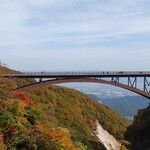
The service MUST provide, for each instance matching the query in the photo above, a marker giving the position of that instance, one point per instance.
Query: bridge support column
(115, 79)
(132, 82)
(146, 84)
(40, 80)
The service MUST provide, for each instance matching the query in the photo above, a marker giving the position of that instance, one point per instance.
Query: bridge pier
(146, 85)
(115, 79)
(40, 80)
(132, 82)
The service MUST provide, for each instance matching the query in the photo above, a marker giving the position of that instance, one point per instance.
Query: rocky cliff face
(105, 138)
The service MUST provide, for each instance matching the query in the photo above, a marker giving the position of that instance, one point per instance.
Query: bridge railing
(81, 73)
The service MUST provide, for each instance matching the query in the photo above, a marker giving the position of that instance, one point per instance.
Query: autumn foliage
(52, 118)
(57, 139)
(139, 132)
(2, 145)
(20, 125)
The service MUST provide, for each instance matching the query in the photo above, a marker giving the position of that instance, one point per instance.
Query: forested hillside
(19, 82)
(139, 132)
(53, 118)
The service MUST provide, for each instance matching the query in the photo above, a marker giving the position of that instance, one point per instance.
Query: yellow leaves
(56, 139)
(52, 119)
(17, 107)
(13, 114)
(2, 146)
(60, 139)
(7, 84)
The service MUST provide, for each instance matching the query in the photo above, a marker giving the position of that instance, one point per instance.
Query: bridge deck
(64, 77)
(79, 74)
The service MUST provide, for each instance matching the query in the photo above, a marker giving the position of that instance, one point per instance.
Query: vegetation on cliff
(52, 118)
(19, 82)
(139, 132)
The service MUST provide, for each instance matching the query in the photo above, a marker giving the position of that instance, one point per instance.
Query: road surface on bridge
(79, 74)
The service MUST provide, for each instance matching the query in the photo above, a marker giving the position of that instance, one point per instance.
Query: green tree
(139, 132)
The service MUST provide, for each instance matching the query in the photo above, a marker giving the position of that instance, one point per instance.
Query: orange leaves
(2, 146)
(55, 138)
(39, 127)
(10, 128)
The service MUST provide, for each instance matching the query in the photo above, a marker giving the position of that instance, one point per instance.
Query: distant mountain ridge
(125, 106)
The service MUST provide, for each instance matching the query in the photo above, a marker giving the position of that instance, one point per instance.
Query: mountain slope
(139, 132)
(53, 117)
(59, 111)
(19, 82)
(125, 106)
(78, 113)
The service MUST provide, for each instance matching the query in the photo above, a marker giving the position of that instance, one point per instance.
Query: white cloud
(94, 29)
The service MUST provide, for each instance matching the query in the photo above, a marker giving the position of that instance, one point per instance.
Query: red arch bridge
(131, 79)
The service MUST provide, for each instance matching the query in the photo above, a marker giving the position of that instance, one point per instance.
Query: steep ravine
(106, 139)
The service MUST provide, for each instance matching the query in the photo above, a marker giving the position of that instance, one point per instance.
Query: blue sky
(72, 35)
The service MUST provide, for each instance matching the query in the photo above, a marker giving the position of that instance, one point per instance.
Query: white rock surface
(108, 140)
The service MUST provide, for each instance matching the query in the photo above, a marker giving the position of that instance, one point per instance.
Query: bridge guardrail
(80, 73)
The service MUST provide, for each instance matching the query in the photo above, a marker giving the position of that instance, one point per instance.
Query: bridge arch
(58, 81)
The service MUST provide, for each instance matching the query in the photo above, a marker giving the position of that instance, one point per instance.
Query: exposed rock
(108, 140)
